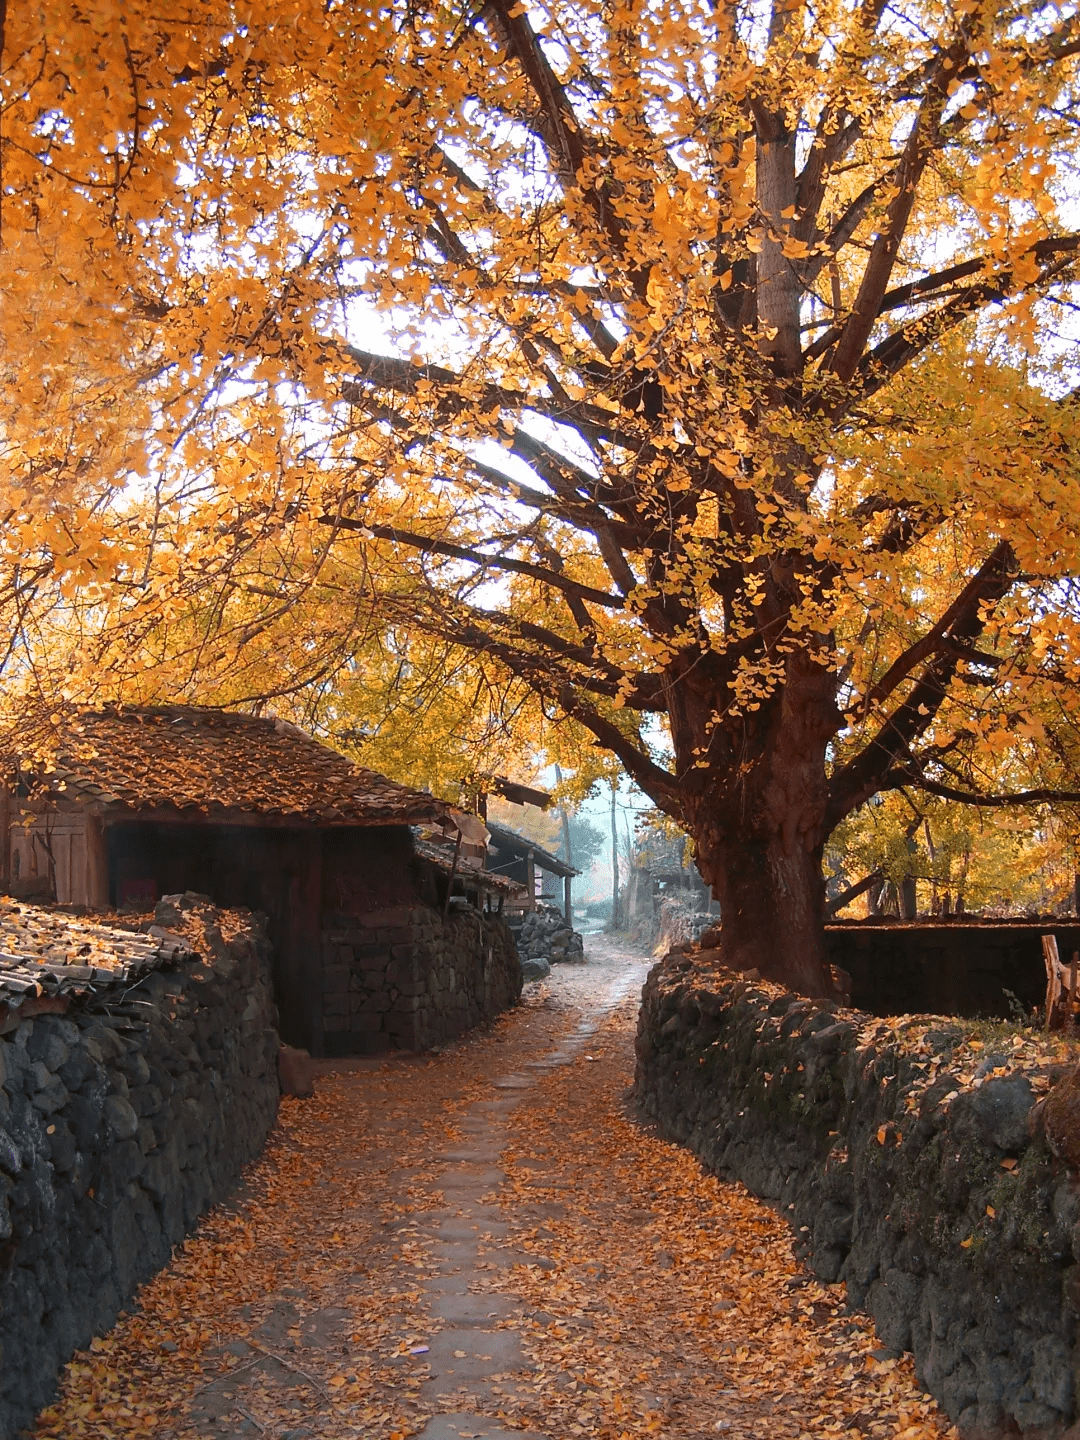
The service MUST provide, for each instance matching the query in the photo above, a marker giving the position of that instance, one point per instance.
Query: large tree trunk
(758, 824)
(772, 912)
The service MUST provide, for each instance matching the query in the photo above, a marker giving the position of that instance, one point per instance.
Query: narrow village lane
(484, 1243)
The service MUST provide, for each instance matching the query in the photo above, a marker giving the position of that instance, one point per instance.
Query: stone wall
(909, 1158)
(544, 938)
(121, 1120)
(405, 978)
(957, 967)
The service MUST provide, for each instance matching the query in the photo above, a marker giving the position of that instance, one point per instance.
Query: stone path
(468, 1236)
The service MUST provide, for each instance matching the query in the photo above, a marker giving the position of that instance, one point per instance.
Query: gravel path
(484, 1243)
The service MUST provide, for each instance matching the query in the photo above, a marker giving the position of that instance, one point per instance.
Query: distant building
(113, 808)
(523, 861)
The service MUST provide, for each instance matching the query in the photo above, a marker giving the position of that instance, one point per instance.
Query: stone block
(366, 1023)
(49, 1093)
(381, 919)
(296, 1073)
(374, 959)
(336, 977)
(336, 1004)
(47, 1045)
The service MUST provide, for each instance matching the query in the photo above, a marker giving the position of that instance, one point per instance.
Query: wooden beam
(97, 862)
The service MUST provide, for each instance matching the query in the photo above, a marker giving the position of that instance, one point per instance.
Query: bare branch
(431, 546)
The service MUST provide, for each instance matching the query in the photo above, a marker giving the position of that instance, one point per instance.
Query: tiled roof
(508, 843)
(210, 760)
(45, 952)
(441, 854)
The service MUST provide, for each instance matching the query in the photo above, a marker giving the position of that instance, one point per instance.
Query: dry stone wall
(914, 1161)
(545, 938)
(405, 978)
(121, 1121)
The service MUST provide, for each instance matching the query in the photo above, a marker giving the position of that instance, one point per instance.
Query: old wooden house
(524, 861)
(114, 808)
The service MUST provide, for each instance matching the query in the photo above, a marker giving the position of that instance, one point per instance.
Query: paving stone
(469, 1228)
(461, 1425)
(472, 1309)
(455, 1252)
(461, 1354)
(501, 1257)
(471, 1177)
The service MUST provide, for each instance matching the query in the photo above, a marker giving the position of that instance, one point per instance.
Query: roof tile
(210, 760)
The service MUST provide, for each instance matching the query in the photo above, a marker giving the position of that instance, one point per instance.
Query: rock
(10, 1155)
(1058, 1119)
(894, 1302)
(535, 967)
(121, 1117)
(296, 1073)
(546, 936)
(47, 1046)
(1001, 1109)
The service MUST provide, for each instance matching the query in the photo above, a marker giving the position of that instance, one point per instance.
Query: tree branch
(852, 892)
(429, 545)
(902, 667)
(906, 176)
(1042, 796)
(861, 777)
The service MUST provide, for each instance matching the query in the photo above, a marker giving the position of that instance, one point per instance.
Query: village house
(526, 863)
(112, 809)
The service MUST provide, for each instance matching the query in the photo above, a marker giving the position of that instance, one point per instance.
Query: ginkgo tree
(722, 410)
(742, 294)
(152, 165)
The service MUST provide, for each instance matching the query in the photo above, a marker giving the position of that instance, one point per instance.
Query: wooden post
(97, 862)
(567, 906)
(5, 838)
(1054, 968)
(614, 860)
(450, 879)
(304, 960)
(530, 878)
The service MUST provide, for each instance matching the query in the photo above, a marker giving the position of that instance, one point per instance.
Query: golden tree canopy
(693, 363)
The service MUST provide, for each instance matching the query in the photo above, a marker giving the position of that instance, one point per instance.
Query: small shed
(113, 808)
(519, 858)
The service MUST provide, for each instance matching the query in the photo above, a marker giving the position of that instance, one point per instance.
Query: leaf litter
(661, 1302)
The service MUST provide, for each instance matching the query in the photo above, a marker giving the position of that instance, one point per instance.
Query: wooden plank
(1056, 981)
(96, 865)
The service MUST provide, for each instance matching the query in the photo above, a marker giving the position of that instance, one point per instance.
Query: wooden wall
(294, 875)
(52, 854)
(961, 967)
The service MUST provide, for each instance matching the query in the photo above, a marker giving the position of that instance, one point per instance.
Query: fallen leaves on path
(676, 1306)
(662, 1302)
(296, 1305)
